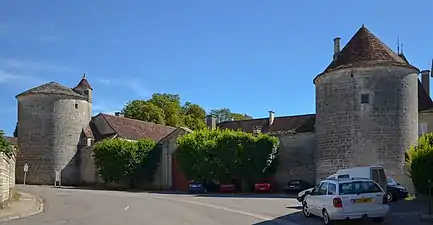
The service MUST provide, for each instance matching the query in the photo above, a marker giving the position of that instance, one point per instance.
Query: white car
(341, 199)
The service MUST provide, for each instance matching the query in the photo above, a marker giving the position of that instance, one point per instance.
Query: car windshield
(390, 181)
(358, 187)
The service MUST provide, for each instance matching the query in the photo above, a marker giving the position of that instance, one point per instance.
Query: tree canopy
(420, 162)
(126, 162)
(167, 109)
(225, 114)
(5, 147)
(224, 155)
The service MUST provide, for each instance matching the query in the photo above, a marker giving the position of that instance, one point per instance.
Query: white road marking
(258, 216)
(126, 208)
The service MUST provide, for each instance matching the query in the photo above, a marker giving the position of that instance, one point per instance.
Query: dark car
(197, 187)
(395, 191)
(296, 186)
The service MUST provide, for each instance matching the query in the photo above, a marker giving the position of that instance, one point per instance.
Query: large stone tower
(51, 118)
(366, 107)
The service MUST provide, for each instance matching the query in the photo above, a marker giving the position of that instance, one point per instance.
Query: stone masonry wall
(296, 158)
(375, 133)
(49, 128)
(7, 178)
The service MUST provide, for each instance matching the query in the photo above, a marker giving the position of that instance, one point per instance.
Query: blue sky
(247, 55)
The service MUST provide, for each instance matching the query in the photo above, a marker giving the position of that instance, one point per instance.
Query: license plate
(291, 186)
(262, 188)
(362, 200)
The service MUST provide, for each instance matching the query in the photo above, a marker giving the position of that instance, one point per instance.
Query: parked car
(296, 186)
(197, 187)
(227, 188)
(395, 191)
(262, 187)
(375, 173)
(341, 199)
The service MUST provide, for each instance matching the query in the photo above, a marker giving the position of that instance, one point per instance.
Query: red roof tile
(12, 140)
(135, 129)
(365, 49)
(299, 123)
(84, 83)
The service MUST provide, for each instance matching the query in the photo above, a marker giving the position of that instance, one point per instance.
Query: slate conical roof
(51, 88)
(84, 83)
(365, 49)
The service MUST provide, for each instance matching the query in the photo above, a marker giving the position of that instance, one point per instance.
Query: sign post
(57, 180)
(26, 169)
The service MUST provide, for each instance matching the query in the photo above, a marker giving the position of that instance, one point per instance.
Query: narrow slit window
(76, 105)
(365, 98)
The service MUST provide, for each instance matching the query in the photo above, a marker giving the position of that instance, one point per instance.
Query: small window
(422, 128)
(257, 129)
(323, 189)
(344, 176)
(332, 189)
(365, 98)
(76, 105)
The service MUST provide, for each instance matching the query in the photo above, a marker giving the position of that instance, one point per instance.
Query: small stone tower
(51, 118)
(366, 107)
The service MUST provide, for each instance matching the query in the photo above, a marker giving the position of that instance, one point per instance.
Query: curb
(38, 209)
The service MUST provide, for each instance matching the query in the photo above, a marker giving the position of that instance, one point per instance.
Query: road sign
(26, 167)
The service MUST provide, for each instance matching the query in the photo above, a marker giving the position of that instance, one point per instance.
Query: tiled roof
(365, 49)
(299, 123)
(11, 140)
(84, 83)
(52, 88)
(87, 131)
(424, 100)
(135, 129)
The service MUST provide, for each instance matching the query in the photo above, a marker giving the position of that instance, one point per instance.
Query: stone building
(56, 132)
(368, 104)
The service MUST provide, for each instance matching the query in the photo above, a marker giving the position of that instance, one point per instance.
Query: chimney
(425, 80)
(271, 117)
(211, 122)
(336, 47)
(119, 114)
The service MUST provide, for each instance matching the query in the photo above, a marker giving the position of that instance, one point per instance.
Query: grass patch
(410, 198)
(16, 196)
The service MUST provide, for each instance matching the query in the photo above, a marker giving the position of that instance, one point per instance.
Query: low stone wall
(7, 178)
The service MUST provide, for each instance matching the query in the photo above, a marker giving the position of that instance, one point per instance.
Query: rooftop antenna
(401, 49)
(398, 44)
(84, 75)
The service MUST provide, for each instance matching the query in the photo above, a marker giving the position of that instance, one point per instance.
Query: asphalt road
(94, 207)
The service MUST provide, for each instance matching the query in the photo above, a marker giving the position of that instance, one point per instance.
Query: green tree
(193, 116)
(16, 131)
(420, 162)
(225, 154)
(166, 109)
(145, 111)
(5, 147)
(126, 162)
(225, 114)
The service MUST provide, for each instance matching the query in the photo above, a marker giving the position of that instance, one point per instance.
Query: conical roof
(51, 88)
(84, 83)
(365, 49)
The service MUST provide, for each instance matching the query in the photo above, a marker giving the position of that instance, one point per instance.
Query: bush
(5, 147)
(420, 162)
(227, 155)
(126, 162)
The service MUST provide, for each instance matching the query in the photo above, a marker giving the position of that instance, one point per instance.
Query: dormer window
(257, 129)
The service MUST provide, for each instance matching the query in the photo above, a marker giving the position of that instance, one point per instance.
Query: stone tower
(366, 107)
(51, 118)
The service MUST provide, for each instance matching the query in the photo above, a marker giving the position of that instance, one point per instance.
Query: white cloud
(134, 85)
(13, 63)
(12, 78)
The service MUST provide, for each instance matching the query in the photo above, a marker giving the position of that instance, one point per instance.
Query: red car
(263, 187)
(227, 188)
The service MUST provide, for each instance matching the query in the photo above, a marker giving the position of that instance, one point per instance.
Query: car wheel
(389, 197)
(379, 219)
(326, 218)
(305, 210)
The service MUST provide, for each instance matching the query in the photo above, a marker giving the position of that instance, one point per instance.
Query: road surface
(71, 206)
